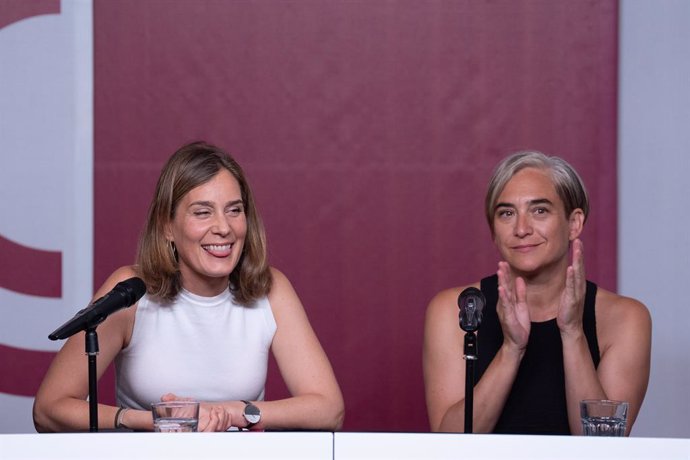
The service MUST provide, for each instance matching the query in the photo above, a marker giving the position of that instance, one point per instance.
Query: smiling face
(209, 229)
(531, 229)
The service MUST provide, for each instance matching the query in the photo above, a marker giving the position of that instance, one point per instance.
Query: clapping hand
(512, 308)
(572, 302)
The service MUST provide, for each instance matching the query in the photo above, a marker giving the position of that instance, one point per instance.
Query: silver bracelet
(118, 418)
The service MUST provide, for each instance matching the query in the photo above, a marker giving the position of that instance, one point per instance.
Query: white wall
(654, 219)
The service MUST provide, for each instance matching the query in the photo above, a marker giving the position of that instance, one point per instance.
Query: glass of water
(603, 417)
(175, 416)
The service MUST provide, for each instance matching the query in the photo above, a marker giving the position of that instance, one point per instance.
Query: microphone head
(134, 288)
(471, 302)
(125, 294)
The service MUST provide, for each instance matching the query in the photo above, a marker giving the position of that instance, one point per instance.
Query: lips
(218, 250)
(524, 247)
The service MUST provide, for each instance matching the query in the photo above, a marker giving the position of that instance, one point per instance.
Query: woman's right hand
(512, 309)
(212, 417)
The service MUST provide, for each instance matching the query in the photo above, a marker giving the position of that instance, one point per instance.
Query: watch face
(252, 413)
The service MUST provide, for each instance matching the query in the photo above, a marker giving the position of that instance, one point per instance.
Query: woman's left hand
(213, 418)
(572, 303)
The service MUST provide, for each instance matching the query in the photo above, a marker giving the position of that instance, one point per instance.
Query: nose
(221, 225)
(523, 226)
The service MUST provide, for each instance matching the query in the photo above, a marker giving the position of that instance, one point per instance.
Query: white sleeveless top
(206, 348)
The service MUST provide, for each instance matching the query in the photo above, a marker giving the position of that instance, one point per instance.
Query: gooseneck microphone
(471, 302)
(124, 294)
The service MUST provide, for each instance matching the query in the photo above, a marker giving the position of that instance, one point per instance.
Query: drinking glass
(603, 417)
(175, 416)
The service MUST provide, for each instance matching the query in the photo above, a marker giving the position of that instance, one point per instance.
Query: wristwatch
(251, 414)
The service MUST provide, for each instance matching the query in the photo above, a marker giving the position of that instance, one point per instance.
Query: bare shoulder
(445, 302)
(124, 318)
(121, 274)
(616, 307)
(279, 277)
(616, 314)
(280, 285)
(282, 295)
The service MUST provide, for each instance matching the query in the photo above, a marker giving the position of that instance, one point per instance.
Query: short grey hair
(567, 181)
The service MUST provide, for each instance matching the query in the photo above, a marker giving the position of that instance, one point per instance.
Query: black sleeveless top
(536, 403)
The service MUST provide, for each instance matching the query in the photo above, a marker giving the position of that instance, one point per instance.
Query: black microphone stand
(471, 302)
(470, 356)
(124, 294)
(91, 345)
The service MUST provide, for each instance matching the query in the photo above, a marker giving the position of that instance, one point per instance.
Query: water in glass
(603, 426)
(175, 425)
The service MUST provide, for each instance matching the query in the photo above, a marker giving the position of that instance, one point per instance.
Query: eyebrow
(530, 203)
(210, 203)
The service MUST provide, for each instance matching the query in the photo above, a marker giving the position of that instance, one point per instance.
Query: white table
(438, 446)
(334, 446)
(169, 446)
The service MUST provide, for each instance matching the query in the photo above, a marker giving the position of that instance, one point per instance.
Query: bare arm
(626, 354)
(60, 403)
(316, 401)
(623, 372)
(581, 380)
(444, 368)
(624, 332)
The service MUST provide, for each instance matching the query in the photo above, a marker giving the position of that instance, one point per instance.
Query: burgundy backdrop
(368, 130)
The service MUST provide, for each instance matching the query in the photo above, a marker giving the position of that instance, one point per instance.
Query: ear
(576, 223)
(167, 231)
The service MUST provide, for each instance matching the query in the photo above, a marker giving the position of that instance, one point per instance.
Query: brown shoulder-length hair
(190, 166)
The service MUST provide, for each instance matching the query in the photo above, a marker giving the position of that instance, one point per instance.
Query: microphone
(124, 294)
(471, 302)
